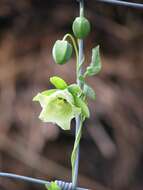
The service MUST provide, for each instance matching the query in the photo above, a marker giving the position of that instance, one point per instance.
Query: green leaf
(81, 104)
(95, 65)
(89, 92)
(74, 89)
(58, 82)
(52, 186)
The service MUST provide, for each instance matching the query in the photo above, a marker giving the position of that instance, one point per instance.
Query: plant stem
(74, 44)
(78, 119)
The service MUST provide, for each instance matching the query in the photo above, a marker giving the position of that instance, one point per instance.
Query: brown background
(111, 147)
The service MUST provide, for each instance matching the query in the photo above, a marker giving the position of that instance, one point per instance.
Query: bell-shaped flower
(57, 107)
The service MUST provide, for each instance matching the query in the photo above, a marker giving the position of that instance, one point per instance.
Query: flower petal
(59, 111)
(57, 107)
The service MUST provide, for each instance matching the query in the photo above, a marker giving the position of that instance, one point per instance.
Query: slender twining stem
(74, 44)
(78, 118)
(76, 53)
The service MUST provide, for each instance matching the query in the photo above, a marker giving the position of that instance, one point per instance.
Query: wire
(62, 184)
(24, 178)
(123, 3)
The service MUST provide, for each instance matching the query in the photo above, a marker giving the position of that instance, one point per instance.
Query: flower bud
(81, 27)
(62, 51)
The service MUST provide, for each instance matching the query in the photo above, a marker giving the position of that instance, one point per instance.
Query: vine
(65, 102)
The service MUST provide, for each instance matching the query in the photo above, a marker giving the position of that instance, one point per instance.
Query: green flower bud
(81, 27)
(62, 51)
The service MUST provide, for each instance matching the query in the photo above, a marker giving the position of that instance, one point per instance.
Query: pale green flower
(57, 107)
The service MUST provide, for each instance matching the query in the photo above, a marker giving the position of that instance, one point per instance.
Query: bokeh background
(111, 148)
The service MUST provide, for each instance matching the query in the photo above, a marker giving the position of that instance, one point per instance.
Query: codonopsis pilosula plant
(74, 100)
(69, 101)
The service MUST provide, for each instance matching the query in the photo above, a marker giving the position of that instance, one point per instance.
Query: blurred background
(111, 148)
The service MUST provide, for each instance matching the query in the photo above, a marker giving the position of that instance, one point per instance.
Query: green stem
(79, 119)
(78, 61)
(75, 153)
(74, 45)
